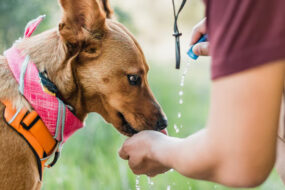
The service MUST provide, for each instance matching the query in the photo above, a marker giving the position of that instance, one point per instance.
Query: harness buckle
(28, 116)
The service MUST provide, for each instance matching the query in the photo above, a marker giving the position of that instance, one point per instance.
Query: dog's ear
(82, 19)
(107, 8)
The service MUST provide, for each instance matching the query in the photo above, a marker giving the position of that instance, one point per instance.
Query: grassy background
(89, 159)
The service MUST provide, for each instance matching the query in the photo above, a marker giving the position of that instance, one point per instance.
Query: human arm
(237, 148)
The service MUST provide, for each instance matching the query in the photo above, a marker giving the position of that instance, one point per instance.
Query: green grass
(90, 160)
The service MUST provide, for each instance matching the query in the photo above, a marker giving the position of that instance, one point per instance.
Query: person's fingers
(136, 167)
(201, 49)
(198, 31)
(123, 154)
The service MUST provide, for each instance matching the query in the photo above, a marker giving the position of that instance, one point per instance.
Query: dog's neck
(49, 54)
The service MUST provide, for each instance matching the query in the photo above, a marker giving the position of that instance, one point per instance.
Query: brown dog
(97, 66)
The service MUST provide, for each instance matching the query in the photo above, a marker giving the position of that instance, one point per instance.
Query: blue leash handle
(190, 52)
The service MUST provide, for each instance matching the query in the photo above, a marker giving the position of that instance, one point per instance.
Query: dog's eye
(134, 79)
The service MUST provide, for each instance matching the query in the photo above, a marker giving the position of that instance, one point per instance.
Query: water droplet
(168, 187)
(180, 92)
(149, 181)
(180, 101)
(189, 187)
(176, 128)
(171, 170)
(179, 115)
(138, 183)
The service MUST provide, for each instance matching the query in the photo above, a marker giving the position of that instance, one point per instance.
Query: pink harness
(59, 120)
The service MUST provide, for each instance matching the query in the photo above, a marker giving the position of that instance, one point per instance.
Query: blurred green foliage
(89, 160)
(15, 14)
(124, 18)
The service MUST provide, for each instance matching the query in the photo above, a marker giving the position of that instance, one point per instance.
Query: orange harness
(30, 126)
(51, 122)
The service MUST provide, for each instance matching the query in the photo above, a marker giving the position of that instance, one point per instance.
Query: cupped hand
(203, 47)
(142, 152)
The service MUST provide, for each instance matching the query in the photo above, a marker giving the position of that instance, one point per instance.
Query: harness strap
(30, 126)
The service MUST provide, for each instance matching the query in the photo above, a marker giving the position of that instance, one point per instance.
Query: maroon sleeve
(244, 34)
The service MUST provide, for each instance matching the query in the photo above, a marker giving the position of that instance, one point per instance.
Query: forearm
(200, 157)
(200, 162)
(192, 157)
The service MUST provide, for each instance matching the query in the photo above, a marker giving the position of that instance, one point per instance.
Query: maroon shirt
(244, 34)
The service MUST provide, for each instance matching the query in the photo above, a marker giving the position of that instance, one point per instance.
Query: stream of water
(181, 93)
(176, 128)
(138, 183)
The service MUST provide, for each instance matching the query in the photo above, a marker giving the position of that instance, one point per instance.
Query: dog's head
(109, 68)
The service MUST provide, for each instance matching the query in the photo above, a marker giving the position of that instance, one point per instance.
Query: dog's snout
(161, 124)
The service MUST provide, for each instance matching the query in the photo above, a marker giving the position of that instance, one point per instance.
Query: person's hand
(203, 47)
(142, 151)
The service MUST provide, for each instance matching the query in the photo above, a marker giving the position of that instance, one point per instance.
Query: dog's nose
(161, 124)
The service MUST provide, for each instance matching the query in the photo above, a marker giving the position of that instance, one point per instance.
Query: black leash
(176, 33)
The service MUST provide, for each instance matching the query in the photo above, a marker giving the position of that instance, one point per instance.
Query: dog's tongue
(164, 131)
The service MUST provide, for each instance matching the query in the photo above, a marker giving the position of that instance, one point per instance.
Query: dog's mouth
(128, 130)
(126, 126)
